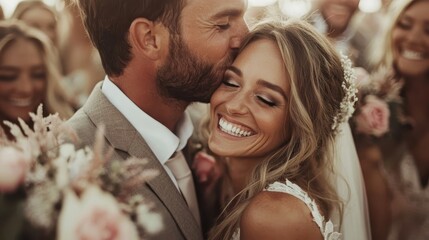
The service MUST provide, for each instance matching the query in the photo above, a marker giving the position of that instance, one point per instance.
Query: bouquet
(51, 190)
(377, 95)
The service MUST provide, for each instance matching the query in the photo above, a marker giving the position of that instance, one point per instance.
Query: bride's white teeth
(20, 102)
(232, 129)
(412, 55)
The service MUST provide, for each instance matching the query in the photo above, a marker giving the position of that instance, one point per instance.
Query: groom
(159, 56)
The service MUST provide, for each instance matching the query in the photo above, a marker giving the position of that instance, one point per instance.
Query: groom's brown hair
(107, 23)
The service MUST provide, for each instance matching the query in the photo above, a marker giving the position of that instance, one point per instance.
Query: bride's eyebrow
(235, 70)
(273, 87)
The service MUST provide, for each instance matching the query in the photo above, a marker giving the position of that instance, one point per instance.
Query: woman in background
(38, 15)
(396, 166)
(28, 74)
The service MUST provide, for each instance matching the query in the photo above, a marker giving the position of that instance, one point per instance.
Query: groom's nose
(239, 32)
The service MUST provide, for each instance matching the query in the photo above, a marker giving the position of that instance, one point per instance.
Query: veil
(348, 182)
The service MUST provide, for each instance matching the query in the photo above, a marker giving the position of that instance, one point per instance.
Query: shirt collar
(160, 139)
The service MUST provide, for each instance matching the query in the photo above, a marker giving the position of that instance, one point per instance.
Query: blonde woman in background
(397, 164)
(39, 15)
(28, 74)
(78, 62)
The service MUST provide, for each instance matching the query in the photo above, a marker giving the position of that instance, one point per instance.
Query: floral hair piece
(347, 106)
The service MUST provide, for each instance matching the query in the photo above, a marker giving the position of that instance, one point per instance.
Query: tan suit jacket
(178, 222)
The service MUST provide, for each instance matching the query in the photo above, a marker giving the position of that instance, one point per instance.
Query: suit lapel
(121, 135)
(164, 188)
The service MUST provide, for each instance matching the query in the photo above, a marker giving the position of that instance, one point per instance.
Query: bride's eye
(266, 101)
(230, 83)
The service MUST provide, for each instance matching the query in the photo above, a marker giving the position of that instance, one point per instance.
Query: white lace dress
(326, 228)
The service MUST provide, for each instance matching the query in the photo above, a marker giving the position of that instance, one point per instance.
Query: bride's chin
(214, 147)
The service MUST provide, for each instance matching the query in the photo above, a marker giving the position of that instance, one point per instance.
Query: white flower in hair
(347, 106)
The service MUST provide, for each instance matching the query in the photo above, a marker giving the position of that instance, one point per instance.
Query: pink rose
(205, 167)
(208, 173)
(99, 223)
(96, 216)
(373, 117)
(13, 167)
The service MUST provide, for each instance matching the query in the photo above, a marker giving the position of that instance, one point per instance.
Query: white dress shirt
(160, 139)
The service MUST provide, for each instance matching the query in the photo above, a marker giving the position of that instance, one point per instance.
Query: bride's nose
(237, 105)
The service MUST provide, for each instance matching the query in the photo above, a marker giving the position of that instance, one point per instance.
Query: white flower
(30, 148)
(150, 221)
(95, 216)
(80, 163)
(350, 90)
(39, 207)
(66, 151)
(37, 175)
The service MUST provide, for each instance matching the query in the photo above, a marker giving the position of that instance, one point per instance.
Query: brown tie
(180, 169)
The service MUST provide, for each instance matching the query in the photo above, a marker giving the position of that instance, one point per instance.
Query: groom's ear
(149, 38)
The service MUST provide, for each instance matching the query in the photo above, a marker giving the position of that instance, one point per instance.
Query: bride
(273, 124)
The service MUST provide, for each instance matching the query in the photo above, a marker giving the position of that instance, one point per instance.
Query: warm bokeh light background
(287, 7)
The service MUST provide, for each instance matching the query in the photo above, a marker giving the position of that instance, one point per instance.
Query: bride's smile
(233, 129)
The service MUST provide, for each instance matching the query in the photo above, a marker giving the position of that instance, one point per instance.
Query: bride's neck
(239, 171)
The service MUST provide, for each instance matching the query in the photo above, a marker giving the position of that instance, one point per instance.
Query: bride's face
(249, 109)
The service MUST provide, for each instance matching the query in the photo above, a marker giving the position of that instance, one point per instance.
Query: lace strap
(327, 229)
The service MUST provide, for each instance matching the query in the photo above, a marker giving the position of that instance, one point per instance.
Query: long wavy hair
(55, 99)
(316, 76)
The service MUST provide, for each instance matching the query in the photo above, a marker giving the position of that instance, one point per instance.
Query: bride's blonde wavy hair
(316, 75)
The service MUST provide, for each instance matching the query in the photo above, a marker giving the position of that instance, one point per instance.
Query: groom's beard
(186, 77)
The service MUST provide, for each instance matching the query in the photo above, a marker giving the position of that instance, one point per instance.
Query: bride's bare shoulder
(275, 215)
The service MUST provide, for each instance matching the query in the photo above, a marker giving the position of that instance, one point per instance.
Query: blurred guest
(28, 75)
(370, 28)
(81, 60)
(38, 15)
(333, 18)
(396, 157)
